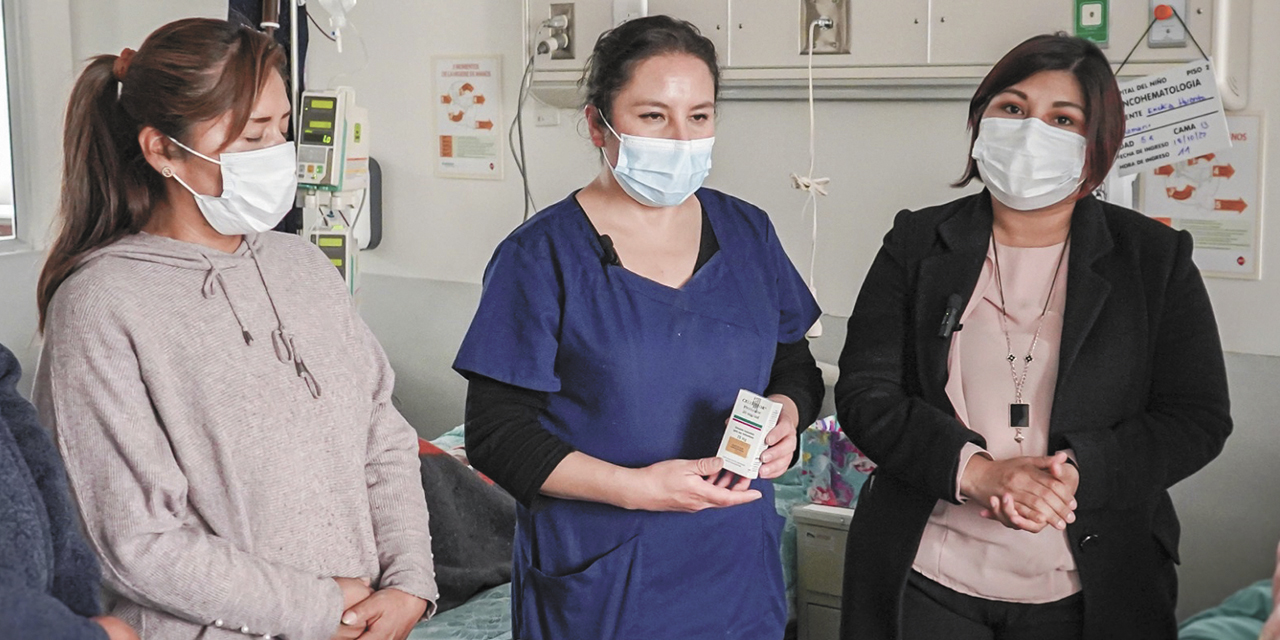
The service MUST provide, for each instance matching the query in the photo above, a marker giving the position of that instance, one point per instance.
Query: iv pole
(271, 22)
(294, 79)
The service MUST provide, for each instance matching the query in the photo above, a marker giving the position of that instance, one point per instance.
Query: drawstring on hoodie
(282, 340)
(170, 252)
(212, 282)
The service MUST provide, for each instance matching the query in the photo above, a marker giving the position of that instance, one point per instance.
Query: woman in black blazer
(1051, 517)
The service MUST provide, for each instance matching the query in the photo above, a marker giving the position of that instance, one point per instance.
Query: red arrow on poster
(484, 124)
(1208, 157)
(1165, 170)
(468, 88)
(1184, 194)
(479, 99)
(1223, 171)
(446, 99)
(1238, 205)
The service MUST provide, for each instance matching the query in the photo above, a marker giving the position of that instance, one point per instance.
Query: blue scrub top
(636, 373)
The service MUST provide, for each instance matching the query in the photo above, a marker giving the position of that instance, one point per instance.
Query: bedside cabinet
(821, 532)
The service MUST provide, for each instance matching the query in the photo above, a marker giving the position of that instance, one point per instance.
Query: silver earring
(167, 172)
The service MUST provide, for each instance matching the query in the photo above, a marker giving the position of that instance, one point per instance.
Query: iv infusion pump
(333, 149)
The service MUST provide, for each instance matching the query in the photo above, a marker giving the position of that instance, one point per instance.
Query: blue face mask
(658, 172)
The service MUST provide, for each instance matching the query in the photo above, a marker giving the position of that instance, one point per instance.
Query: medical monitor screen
(318, 120)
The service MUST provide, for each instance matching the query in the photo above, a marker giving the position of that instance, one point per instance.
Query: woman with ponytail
(224, 415)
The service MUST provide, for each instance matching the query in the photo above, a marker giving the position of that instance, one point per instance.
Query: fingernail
(349, 618)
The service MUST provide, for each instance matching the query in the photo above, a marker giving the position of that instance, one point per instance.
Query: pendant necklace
(1019, 411)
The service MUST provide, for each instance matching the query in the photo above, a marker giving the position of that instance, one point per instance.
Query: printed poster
(1218, 198)
(468, 94)
(1171, 117)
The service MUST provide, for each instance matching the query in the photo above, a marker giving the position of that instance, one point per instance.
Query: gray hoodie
(229, 438)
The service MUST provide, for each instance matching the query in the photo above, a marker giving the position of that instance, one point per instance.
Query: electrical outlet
(832, 39)
(1168, 33)
(565, 9)
(624, 10)
(545, 115)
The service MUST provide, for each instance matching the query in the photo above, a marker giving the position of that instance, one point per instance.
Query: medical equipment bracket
(904, 50)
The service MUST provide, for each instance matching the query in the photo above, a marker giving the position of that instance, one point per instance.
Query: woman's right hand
(683, 485)
(354, 591)
(116, 628)
(1020, 493)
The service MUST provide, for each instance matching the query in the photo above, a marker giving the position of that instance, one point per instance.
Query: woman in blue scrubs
(614, 332)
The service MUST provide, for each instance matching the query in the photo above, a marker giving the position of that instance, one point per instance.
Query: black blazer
(1141, 397)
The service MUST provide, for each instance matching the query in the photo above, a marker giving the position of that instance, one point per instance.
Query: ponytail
(105, 180)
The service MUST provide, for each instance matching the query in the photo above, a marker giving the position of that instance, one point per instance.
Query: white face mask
(258, 188)
(659, 172)
(1028, 164)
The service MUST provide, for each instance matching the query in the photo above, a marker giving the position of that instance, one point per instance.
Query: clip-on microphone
(610, 257)
(951, 317)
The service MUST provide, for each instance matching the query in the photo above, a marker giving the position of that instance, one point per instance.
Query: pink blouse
(960, 549)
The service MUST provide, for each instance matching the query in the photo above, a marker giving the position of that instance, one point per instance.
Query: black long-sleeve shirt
(505, 440)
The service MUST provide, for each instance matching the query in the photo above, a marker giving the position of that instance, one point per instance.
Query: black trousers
(931, 611)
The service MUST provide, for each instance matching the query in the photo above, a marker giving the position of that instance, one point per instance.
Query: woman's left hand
(782, 441)
(776, 458)
(390, 614)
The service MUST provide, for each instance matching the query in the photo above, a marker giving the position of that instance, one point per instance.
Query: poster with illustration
(468, 95)
(1217, 197)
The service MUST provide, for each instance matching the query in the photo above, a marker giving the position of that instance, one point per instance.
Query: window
(7, 222)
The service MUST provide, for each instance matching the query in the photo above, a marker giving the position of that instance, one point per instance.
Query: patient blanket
(472, 525)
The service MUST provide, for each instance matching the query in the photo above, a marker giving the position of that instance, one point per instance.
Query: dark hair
(186, 72)
(1103, 108)
(619, 49)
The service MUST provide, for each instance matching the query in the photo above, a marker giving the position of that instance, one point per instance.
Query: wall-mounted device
(831, 18)
(1168, 31)
(333, 151)
(337, 245)
(561, 32)
(907, 49)
(339, 199)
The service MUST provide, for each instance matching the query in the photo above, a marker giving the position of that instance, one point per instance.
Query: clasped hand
(386, 614)
(1027, 493)
(116, 628)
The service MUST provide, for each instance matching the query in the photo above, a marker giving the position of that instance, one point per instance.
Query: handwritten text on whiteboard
(1171, 117)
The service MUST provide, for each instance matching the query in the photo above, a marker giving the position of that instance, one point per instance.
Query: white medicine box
(821, 533)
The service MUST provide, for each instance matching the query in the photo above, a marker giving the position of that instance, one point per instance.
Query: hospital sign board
(1172, 117)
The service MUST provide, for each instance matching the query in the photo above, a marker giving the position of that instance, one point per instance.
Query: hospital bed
(1239, 617)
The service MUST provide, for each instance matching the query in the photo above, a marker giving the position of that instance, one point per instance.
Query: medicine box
(753, 417)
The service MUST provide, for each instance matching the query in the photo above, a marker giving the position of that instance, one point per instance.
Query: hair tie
(121, 66)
